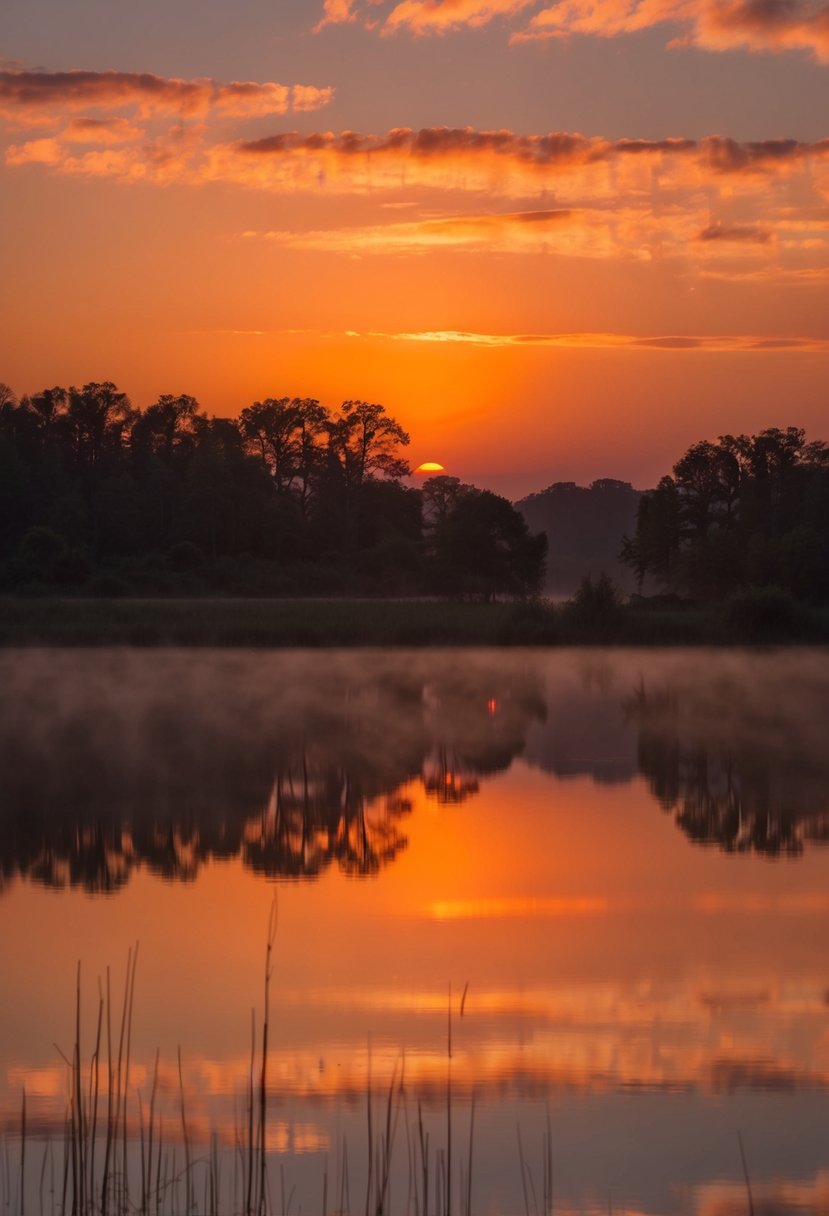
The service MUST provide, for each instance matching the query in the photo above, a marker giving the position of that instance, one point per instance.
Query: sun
(429, 466)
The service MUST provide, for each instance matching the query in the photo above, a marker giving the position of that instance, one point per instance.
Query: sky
(557, 240)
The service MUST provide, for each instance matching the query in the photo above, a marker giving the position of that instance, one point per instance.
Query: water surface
(619, 856)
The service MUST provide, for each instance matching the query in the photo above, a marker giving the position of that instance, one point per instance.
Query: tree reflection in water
(114, 760)
(735, 771)
(109, 763)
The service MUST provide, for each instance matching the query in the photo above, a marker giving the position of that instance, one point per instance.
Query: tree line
(97, 495)
(739, 513)
(584, 527)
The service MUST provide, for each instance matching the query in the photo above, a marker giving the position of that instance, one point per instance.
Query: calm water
(622, 854)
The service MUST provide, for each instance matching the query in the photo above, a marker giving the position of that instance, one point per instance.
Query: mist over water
(118, 758)
(620, 852)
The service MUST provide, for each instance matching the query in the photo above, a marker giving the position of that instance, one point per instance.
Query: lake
(603, 873)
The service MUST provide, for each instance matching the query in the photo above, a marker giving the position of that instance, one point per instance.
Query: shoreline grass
(127, 1143)
(321, 623)
(165, 1188)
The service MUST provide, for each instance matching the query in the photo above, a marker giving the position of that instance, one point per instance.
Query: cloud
(600, 18)
(306, 97)
(714, 202)
(133, 126)
(495, 162)
(27, 96)
(739, 233)
(715, 25)
(466, 147)
(724, 343)
(439, 16)
(335, 12)
(101, 131)
(593, 230)
(763, 25)
(517, 232)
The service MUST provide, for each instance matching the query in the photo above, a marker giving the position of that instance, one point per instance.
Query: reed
(749, 1195)
(186, 1140)
(449, 1103)
(23, 1155)
(82, 1183)
(263, 1086)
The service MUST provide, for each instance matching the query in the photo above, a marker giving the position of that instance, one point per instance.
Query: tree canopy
(101, 496)
(741, 512)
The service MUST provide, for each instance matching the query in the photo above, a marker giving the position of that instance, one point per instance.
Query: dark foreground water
(610, 866)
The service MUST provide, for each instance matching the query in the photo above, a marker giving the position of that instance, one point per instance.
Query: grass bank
(255, 622)
(343, 622)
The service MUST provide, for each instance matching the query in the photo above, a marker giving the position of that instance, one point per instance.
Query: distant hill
(584, 526)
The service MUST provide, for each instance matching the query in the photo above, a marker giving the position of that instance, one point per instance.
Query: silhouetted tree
(286, 434)
(98, 418)
(744, 511)
(480, 544)
(167, 430)
(365, 441)
(363, 444)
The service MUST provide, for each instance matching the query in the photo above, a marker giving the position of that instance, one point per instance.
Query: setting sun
(429, 466)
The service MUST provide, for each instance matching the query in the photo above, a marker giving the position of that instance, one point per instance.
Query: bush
(761, 614)
(596, 607)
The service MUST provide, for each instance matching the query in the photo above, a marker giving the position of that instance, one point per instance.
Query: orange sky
(557, 242)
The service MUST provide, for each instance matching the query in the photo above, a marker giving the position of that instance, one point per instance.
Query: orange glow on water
(561, 899)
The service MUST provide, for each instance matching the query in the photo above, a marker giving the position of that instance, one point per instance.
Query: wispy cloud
(438, 16)
(741, 234)
(722, 205)
(593, 230)
(723, 343)
(726, 343)
(30, 97)
(502, 163)
(716, 25)
(335, 12)
(134, 125)
(558, 230)
(464, 148)
(762, 25)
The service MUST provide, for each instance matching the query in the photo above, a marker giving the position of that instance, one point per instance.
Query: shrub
(596, 607)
